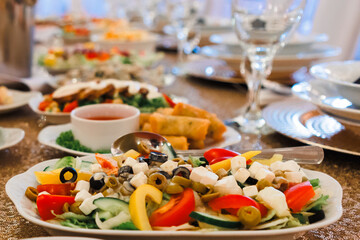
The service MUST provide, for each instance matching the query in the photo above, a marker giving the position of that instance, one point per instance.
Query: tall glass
(262, 27)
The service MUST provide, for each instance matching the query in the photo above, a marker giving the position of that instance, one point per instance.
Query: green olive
(249, 216)
(124, 191)
(179, 160)
(184, 182)
(158, 180)
(174, 188)
(263, 183)
(209, 197)
(74, 192)
(143, 148)
(221, 173)
(199, 187)
(31, 193)
(108, 192)
(210, 189)
(75, 208)
(66, 207)
(279, 173)
(120, 159)
(152, 170)
(111, 181)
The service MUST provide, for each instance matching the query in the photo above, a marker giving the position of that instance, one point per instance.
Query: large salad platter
(18, 185)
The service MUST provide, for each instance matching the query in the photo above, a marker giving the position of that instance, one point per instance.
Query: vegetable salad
(148, 190)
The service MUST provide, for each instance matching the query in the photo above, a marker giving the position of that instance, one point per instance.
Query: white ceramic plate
(60, 118)
(49, 134)
(325, 97)
(10, 137)
(297, 41)
(20, 99)
(61, 238)
(16, 186)
(148, 44)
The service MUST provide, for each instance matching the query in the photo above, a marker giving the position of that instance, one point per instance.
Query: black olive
(319, 215)
(181, 171)
(97, 180)
(127, 185)
(143, 159)
(65, 170)
(251, 181)
(158, 157)
(165, 174)
(124, 171)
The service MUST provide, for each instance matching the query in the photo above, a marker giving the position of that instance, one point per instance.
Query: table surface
(223, 99)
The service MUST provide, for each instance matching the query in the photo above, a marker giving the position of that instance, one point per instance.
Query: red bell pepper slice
(71, 106)
(176, 211)
(299, 195)
(57, 189)
(43, 105)
(233, 202)
(169, 100)
(215, 155)
(46, 204)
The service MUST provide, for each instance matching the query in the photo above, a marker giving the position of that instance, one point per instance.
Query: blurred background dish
(13, 99)
(344, 76)
(10, 137)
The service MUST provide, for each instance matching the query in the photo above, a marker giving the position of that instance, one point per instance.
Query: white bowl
(342, 75)
(97, 126)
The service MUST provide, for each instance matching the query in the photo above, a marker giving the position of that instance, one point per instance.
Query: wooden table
(224, 100)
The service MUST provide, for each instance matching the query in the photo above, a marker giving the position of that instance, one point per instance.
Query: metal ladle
(156, 142)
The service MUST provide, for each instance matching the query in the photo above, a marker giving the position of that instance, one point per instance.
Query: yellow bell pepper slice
(53, 177)
(226, 164)
(275, 158)
(131, 153)
(137, 205)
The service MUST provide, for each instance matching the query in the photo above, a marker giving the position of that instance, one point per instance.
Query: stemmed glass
(262, 27)
(182, 16)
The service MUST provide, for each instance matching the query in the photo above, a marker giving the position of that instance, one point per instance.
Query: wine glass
(182, 16)
(262, 27)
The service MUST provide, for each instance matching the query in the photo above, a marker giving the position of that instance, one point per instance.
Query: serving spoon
(153, 141)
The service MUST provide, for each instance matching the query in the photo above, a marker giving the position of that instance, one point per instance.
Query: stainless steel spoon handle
(301, 155)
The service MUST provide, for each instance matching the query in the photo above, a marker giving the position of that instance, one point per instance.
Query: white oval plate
(10, 137)
(61, 118)
(49, 134)
(16, 186)
(20, 99)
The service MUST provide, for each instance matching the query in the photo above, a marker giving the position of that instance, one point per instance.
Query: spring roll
(178, 142)
(196, 144)
(193, 128)
(144, 118)
(146, 127)
(165, 111)
(217, 127)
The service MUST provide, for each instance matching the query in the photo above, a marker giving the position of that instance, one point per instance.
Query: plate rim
(15, 105)
(21, 135)
(12, 185)
(65, 127)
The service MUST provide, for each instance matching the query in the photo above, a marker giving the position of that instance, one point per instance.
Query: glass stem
(182, 36)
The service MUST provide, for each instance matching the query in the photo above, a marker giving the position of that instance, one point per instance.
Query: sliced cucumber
(112, 205)
(48, 168)
(214, 220)
(86, 165)
(169, 150)
(103, 215)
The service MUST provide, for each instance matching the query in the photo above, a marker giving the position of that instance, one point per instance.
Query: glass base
(250, 122)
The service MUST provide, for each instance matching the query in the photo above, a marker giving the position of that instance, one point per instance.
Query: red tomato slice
(169, 100)
(57, 189)
(48, 203)
(299, 195)
(176, 211)
(234, 202)
(43, 105)
(71, 106)
(214, 153)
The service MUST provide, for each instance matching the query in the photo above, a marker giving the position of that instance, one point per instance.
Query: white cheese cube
(293, 177)
(87, 205)
(274, 199)
(255, 167)
(43, 193)
(82, 195)
(241, 175)
(303, 174)
(209, 178)
(265, 174)
(250, 191)
(140, 167)
(82, 185)
(237, 162)
(169, 166)
(129, 162)
(227, 185)
(197, 173)
(96, 168)
(291, 166)
(139, 179)
(277, 166)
